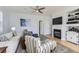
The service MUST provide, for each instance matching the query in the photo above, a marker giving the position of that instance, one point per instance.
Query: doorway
(41, 27)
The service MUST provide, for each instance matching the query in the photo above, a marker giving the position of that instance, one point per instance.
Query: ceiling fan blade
(40, 11)
(42, 8)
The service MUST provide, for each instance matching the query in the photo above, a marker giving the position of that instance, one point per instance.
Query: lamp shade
(13, 28)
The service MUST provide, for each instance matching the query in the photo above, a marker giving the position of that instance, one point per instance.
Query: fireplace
(57, 33)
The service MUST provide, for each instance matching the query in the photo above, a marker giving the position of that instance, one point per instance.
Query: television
(57, 21)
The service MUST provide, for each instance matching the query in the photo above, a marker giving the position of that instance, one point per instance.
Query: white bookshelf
(72, 35)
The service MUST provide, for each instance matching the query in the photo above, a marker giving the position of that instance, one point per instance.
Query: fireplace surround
(57, 33)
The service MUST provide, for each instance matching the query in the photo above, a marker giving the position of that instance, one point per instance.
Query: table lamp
(13, 30)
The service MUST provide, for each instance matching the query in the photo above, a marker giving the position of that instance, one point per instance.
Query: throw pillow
(3, 38)
(35, 35)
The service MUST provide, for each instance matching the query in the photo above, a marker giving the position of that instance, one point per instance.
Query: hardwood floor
(65, 43)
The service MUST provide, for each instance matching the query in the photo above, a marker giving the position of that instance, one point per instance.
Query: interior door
(41, 27)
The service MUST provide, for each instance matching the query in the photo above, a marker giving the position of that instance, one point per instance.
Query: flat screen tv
(57, 21)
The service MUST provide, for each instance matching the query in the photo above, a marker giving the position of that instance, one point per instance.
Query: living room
(39, 21)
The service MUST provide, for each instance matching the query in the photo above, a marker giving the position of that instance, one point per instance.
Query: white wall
(4, 18)
(14, 21)
(6, 23)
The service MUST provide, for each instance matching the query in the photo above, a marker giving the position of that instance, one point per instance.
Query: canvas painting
(23, 22)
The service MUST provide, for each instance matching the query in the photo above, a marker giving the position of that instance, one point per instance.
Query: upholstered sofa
(35, 45)
(11, 43)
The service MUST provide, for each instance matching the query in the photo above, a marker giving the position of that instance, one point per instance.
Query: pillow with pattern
(3, 38)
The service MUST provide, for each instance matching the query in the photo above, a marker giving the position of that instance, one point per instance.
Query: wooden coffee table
(3, 49)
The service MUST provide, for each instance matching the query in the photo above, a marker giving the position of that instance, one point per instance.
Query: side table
(3, 49)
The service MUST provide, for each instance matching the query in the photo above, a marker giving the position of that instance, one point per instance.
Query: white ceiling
(28, 9)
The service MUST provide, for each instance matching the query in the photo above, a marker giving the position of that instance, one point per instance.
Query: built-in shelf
(72, 24)
(73, 17)
(72, 27)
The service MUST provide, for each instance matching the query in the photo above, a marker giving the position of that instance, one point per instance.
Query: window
(1, 22)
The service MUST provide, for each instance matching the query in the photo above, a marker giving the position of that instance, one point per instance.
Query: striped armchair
(35, 45)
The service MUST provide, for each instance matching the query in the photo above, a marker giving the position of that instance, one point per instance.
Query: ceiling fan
(38, 9)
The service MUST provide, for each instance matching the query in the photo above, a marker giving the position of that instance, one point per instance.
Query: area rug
(62, 49)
